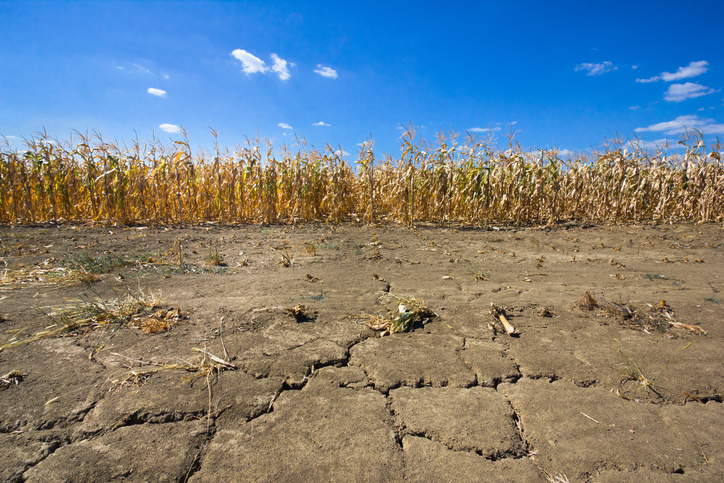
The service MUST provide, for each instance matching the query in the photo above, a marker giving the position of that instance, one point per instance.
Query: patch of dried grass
(143, 312)
(44, 277)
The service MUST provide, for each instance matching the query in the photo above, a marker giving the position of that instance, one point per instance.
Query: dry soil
(617, 392)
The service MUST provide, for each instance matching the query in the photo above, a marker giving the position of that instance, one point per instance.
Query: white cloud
(677, 126)
(692, 70)
(172, 128)
(280, 67)
(596, 69)
(326, 72)
(284, 125)
(166, 76)
(341, 152)
(646, 81)
(483, 129)
(657, 144)
(633, 108)
(250, 63)
(634, 67)
(320, 123)
(689, 90)
(134, 69)
(157, 92)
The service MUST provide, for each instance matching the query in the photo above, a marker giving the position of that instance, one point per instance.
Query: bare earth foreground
(582, 395)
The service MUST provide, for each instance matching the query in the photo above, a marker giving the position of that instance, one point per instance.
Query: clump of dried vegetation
(470, 180)
(143, 312)
(635, 381)
(408, 311)
(10, 379)
(660, 317)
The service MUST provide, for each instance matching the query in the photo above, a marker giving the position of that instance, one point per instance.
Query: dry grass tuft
(586, 301)
(213, 258)
(299, 312)
(633, 375)
(287, 259)
(87, 315)
(160, 321)
(544, 311)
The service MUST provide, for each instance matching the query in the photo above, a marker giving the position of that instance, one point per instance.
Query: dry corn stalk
(499, 313)
(470, 180)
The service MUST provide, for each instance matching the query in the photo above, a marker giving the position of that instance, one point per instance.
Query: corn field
(470, 181)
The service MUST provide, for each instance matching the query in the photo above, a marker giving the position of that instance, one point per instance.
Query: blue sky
(565, 74)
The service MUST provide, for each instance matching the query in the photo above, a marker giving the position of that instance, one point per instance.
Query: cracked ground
(240, 389)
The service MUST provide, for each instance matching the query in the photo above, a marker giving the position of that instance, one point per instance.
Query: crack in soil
(55, 443)
(44, 425)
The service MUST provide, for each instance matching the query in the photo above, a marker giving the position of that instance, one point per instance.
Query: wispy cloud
(657, 144)
(341, 152)
(134, 69)
(170, 128)
(596, 69)
(284, 125)
(678, 126)
(157, 92)
(633, 108)
(692, 70)
(326, 71)
(320, 123)
(252, 64)
(689, 90)
(280, 67)
(483, 129)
